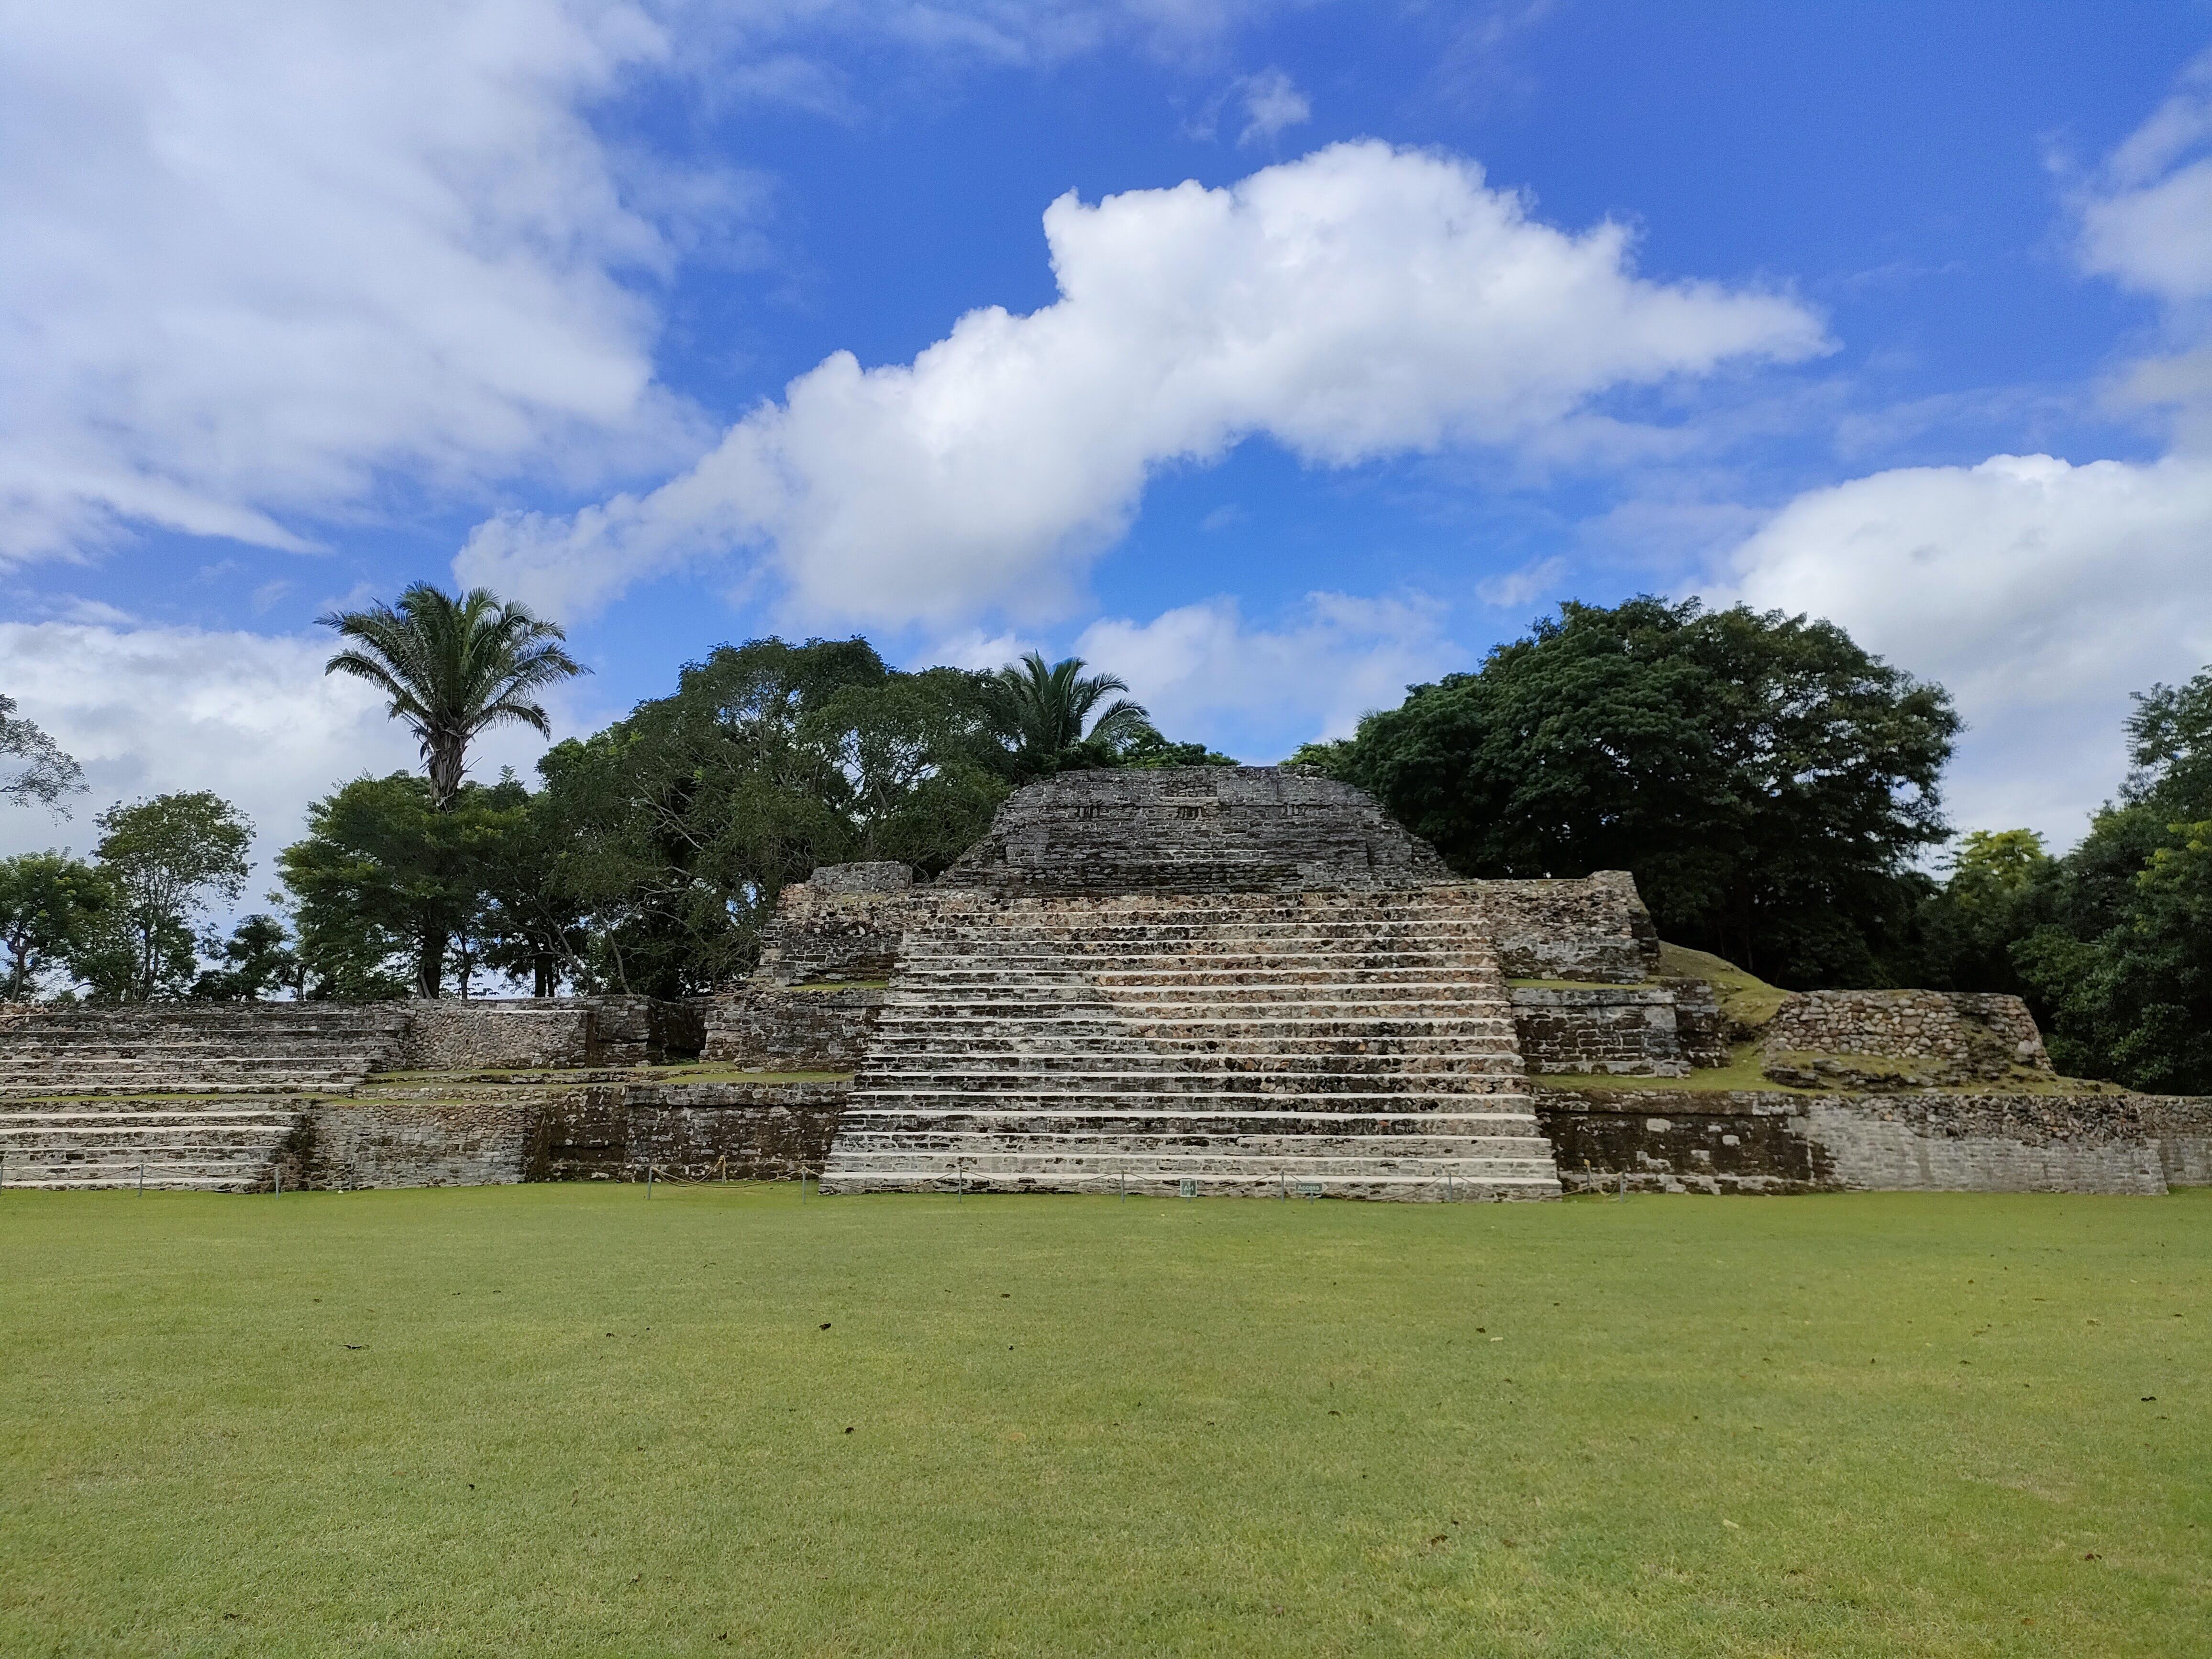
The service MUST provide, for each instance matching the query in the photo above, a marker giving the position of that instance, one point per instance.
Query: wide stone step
(1154, 1100)
(955, 1028)
(195, 1178)
(1106, 1078)
(1281, 1155)
(1471, 1187)
(1335, 994)
(921, 1059)
(1336, 958)
(1511, 1118)
(147, 1140)
(89, 1088)
(922, 1038)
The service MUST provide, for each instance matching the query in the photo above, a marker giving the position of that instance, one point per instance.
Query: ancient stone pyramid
(1216, 980)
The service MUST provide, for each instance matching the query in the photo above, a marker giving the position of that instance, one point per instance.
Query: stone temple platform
(1204, 980)
(1236, 980)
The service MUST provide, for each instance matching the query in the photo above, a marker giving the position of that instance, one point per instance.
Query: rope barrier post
(280, 1181)
(142, 1177)
(648, 1180)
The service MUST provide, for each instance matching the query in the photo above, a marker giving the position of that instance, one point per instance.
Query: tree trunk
(430, 963)
(544, 985)
(447, 763)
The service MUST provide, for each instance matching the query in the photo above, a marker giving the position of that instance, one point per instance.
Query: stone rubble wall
(1663, 1029)
(546, 1032)
(1193, 829)
(771, 1029)
(2181, 1125)
(590, 1132)
(1593, 927)
(872, 878)
(348, 1145)
(1955, 1037)
(698, 1130)
(1773, 1141)
(824, 932)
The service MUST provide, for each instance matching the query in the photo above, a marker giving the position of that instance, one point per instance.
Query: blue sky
(1375, 330)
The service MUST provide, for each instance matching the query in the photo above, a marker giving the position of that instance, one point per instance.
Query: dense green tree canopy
(49, 906)
(1767, 782)
(2114, 942)
(683, 822)
(166, 860)
(387, 880)
(256, 961)
(1049, 713)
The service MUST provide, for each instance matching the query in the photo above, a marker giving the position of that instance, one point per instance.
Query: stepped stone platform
(1203, 981)
(233, 1098)
(1220, 981)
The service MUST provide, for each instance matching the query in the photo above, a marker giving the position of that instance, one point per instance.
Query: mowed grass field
(575, 1419)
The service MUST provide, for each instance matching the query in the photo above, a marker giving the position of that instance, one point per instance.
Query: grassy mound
(578, 1420)
(1748, 1001)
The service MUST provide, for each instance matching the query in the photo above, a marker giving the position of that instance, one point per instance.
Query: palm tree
(453, 668)
(1044, 708)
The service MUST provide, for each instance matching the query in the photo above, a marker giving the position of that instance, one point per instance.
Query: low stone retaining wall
(771, 1030)
(594, 1131)
(1771, 1141)
(749, 1132)
(1658, 1029)
(345, 1145)
(541, 1032)
(1961, 1037)
(2182, 1125)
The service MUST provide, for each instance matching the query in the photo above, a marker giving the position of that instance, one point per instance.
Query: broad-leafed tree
(44, 773)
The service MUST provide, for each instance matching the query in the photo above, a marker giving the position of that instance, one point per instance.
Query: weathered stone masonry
(1218, 980)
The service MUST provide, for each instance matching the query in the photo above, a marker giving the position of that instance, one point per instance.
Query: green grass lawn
(575, 1419)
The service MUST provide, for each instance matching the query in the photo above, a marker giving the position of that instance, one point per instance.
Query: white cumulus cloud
(1361, 302)
(2040, 592)
(1202, 672)
(2147, 219)
(259, 250)
(1273, 105)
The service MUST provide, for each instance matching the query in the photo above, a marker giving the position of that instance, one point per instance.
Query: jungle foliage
(2112, 943)
(654, 850)
(1768, 783)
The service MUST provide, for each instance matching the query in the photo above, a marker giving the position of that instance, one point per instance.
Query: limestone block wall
(1965, 1035)
(2182, 1125)
(754, 1131)
(493, 1032)
(1592, 928)
(344, 1144)
(771, 1029)
(1194, 828)
(1771, 1141)
(833, 933)
(871, 877)
(537, 1032)
(1627, 1030)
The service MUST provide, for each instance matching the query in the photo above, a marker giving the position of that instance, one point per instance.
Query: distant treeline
(1774, 789)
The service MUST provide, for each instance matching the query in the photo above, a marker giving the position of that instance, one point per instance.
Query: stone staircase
(1329, 1043)
(178, 1143)
(300, 1047)
(194, 1097)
